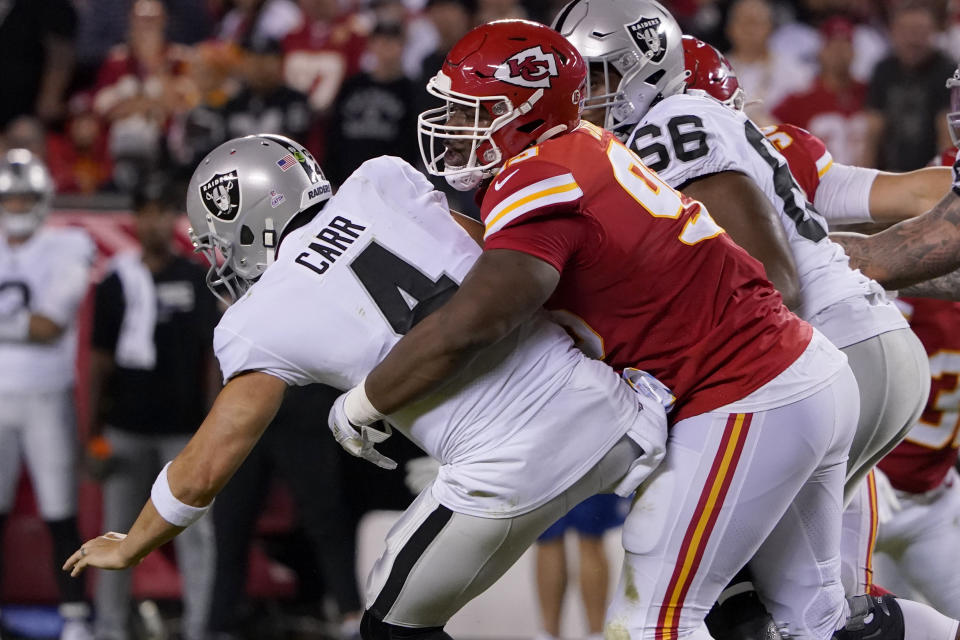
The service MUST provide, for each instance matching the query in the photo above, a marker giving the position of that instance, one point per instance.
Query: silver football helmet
(638, 39)
(26, 193)
(240, 199)
(953, 116)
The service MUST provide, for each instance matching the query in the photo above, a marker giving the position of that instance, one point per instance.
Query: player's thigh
(11, 426)
(722, 488)
(50, 451)
(930, 560)
(437, 560)
(893, 375)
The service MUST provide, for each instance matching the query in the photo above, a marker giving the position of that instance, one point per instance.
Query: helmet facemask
(953, 117)
(25, 184)
(483, 156)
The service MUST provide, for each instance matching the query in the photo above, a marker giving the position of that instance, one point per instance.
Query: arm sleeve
(844, 194)
(63, 294)
(108, 308)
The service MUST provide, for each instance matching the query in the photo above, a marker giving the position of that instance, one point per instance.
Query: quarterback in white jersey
(44, 275)
(532, 428)
(716, 155)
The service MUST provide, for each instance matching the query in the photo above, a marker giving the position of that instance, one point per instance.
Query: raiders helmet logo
(221, 195)
(530, 68)
(650, 38)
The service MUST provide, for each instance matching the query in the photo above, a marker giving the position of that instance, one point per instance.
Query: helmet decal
(221, 195)
(649, 37)
(531, 68)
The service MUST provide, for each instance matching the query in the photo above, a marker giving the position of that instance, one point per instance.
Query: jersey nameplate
(329, 244)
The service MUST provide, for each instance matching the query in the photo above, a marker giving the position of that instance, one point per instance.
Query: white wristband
(16, 327)
(170, 509)
(358, 408)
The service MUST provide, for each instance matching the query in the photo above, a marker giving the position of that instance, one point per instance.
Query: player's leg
(124, 491)
(195, 557)
(437, 560)
(591, 519)
(10, 449)
(50, 451)
(725, 483)
(926, 531)
(858, 537)
(552, 575)
(893, 374)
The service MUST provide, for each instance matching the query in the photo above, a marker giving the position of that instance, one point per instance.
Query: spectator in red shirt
(78, 158)
(832, 109)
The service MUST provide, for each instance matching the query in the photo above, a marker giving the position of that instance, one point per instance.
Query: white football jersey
(684, 137)
(48, 274)
(511, 433)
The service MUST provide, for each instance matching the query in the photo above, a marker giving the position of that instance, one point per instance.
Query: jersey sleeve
(239, 352)
(806, 154)
(70, 279)
(108, 309)
(533, 206)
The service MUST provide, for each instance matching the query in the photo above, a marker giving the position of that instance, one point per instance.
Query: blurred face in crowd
(316, 10)
(28, 133)
(452, 21)
(263, 72)
(749, 26)
(155, 225)
(911, 35)
(387, 50)
(836, 55)
(148, 22)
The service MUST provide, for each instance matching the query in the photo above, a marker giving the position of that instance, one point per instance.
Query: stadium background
(111, 92)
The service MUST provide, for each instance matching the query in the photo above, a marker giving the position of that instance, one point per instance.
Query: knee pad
(373, 628)
(872, 617)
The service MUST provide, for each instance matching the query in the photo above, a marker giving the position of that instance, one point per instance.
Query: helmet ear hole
(531, 126)
(654, 78)
(246, 236)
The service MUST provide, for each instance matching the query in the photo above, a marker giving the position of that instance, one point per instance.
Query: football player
(718, 156)
(44, 275)
(644, 278)
(321, 288)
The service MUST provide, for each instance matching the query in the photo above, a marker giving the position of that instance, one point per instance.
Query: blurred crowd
(108, 89)
(112, 94)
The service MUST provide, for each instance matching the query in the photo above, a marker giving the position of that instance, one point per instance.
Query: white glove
(358, 443)
(420, 473)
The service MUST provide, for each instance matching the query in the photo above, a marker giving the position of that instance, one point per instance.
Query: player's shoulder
(703, 108)
(391, 168)
(540, 171)
(785, 135)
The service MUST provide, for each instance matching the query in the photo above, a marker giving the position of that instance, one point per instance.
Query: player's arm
(943, 288)
(900, 196)
(911, 251)
(503, 289)
(739, 206)
(241, 413)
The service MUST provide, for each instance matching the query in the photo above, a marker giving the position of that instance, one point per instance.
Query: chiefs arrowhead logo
(530, 68)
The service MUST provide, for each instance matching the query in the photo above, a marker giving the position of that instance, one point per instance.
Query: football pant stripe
(701, 525)
(872, 537)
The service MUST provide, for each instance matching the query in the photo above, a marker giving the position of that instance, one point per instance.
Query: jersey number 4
(404, 294)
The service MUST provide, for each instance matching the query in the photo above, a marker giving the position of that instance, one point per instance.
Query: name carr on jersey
(329, 244)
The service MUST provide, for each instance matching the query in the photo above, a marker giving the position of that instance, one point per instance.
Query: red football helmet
(709, 72)
(522, 77)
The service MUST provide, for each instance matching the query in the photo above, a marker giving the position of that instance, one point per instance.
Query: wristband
(169, 507)
(358, 408)
(15, 327)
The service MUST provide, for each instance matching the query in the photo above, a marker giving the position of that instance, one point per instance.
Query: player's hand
(103, 552)
(358, 442)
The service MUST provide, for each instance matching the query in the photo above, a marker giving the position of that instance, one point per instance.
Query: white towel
(135, 346)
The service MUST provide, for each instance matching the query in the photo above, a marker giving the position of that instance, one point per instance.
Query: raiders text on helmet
(241, 197)
(635, 44)
(525, 77)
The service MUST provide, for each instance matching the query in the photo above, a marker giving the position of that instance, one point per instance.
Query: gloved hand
(358, 441)
(420, 473)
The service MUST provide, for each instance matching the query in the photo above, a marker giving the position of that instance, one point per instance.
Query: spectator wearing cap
(375, 111)
(832, 109)
(907, 100)
(150, 363)
(766, 76)
(264, 103)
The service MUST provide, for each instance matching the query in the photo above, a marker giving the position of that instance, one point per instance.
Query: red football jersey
(836, 117)
(922, 460)
(319, 56)
(806, 155)
(647, 279)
